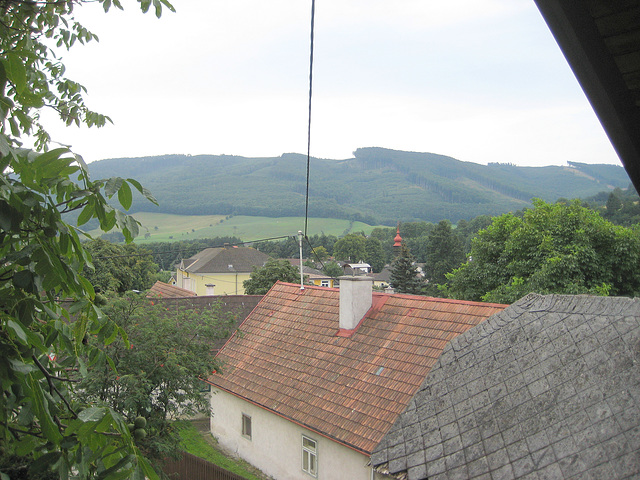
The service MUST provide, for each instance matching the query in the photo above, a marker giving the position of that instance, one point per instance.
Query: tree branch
(52, 386)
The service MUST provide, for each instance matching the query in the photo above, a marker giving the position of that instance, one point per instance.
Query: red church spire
(397, 241)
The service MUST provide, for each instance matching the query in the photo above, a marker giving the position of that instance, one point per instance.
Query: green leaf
(124, 196)
(120, 470)
(146, 468)
(5, 148)
(16, 71)
(19, 331)
(43, 463)
(112, 186)
(158, 6)
(92, 414)
(20, 366)
(10, 217)
(25, 446)
(3, 78)
(147, 194)
(41, 411)
(86, 214)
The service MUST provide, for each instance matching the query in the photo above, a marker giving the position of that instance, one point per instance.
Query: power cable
(306, 208)
(314, 252)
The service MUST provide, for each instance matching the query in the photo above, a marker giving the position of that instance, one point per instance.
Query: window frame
(312, 455)
(325, 283)
(246, 422)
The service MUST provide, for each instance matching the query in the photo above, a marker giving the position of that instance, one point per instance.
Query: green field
(162, 227)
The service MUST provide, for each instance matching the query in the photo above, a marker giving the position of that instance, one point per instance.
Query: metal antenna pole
(301, 274)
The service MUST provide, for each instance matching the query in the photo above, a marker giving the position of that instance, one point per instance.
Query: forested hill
(377, 185)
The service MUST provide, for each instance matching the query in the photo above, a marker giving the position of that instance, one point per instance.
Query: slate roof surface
(289, 359)
(166, 290)
(225, 260)
(547, 389)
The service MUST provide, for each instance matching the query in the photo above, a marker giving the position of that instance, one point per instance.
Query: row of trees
(376, 249)
(562, 248)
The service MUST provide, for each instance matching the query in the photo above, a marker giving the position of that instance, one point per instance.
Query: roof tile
(290, 360)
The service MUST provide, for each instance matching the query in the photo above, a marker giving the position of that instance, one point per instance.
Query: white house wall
(276, 444)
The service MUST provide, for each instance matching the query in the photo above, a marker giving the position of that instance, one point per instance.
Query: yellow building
(219, 271)
(319, 279)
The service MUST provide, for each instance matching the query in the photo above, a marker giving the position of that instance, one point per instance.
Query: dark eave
(601, 41)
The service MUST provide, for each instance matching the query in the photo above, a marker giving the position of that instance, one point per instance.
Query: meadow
(163, 227)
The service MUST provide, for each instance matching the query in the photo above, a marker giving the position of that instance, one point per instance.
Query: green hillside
(376, 186)
(163, 227)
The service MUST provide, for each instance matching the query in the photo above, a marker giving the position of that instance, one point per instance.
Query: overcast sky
(478, 80)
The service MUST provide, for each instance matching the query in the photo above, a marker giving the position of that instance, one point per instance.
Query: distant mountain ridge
(377, 185)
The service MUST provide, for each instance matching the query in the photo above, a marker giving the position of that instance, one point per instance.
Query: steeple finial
(397, 241)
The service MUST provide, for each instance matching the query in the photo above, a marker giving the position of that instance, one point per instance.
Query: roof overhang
(601, 41)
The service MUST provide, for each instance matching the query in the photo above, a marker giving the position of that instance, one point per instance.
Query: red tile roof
(290, 360)
(165, 290)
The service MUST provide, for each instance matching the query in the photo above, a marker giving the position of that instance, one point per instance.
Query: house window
(309, 456)
(246, 426)
(324, 283)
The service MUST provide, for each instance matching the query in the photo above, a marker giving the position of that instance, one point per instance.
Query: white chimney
(355, 300)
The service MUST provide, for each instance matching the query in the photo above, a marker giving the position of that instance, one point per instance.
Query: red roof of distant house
(165, 290)
(290, 359)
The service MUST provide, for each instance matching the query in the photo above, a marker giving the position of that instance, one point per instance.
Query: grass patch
(164, 227)
(195, 443)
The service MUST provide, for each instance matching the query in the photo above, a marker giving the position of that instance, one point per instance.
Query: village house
(167, 290)
(547, 388)
(219, 271)
(317, 278)
(319, 375)
(313, 276)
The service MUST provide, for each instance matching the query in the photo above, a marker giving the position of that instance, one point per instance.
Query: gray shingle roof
(225, 260)
(547, 388)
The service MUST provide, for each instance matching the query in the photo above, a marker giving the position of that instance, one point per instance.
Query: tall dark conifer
(404, 273)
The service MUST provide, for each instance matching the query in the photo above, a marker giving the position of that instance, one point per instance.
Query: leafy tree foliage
(560, 248)
(350, 248)
(415, 229)
(119, 268)
(467, 230)
(385, 236)
(414, 235)
(623, 207)
(42, 343)
(41, 258)
(263, 278)
(404, 273)
(374, 254)
(289, 248)
(157, 372)
(332, 269)
(319, 254)
(444, 254)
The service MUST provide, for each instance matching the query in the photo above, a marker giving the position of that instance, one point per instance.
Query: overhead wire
(306, 208)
